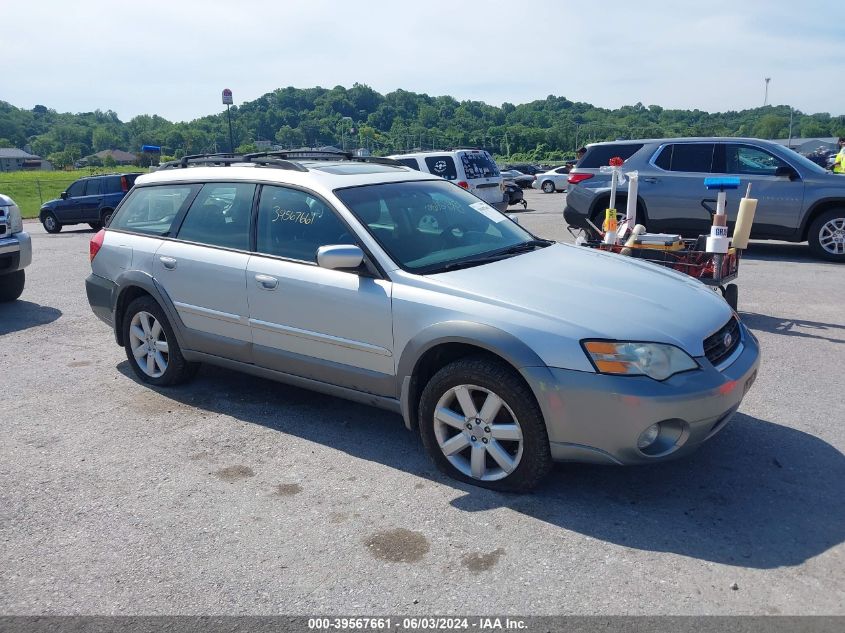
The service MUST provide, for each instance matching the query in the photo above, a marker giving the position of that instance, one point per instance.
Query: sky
(174, 58)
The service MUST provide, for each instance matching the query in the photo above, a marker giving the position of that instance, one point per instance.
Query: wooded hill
(548, 129)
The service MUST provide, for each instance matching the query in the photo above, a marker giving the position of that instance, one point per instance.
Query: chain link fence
(31, 194)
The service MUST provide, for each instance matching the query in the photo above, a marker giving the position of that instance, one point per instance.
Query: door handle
(168, 262)
(650, 179)
(267, 282)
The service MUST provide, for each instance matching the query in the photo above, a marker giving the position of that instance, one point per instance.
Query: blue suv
(91, 200)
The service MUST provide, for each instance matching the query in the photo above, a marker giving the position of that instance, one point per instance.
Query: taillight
(464, 184)
(124, 183)
(96, 244)
(574, 179)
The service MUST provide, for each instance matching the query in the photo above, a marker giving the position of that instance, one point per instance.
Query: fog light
(648, 437)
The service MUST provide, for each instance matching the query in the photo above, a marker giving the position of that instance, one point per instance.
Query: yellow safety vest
(839, 162)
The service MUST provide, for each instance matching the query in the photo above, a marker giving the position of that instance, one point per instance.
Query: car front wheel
(11, 285)
(827, 235)
(51, 224)
(481, 424)
(151, 345)
(548, 186)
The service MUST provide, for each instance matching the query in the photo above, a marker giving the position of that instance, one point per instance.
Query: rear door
(90, 203)
(482, 174)
(204, 270)
(328, 325)
(674, 190)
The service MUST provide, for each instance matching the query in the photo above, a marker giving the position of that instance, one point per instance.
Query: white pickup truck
(15, 250)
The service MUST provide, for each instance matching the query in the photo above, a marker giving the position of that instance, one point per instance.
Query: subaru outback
(798, 200)
(371, 281)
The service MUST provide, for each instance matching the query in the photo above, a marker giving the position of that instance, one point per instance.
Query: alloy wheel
(832, 236)
(149, 344)
(478, 432)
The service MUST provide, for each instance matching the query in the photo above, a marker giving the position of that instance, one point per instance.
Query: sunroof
(347, 169)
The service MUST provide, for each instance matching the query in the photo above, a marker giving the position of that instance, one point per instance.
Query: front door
(327, 325)
(69, 210)
(204, 270)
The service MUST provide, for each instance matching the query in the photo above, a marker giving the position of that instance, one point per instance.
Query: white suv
(473, 169)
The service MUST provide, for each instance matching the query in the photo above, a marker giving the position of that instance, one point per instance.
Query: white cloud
(174, 58)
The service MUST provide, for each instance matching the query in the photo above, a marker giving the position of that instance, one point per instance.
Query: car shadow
(832, 332)
(758, 495)
(22, 315)
(780, 252)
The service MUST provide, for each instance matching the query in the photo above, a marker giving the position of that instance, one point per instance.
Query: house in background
(13, 159)
(120, 158)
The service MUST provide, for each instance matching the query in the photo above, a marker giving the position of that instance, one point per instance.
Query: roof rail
(229, 159)
(302, 154)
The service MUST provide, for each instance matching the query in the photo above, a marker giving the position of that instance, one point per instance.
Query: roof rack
(322, 154)
(230, 159)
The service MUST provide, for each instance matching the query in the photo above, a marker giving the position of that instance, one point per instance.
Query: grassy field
(30, 189)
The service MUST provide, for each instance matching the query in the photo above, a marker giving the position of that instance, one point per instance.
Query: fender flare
(145, 281)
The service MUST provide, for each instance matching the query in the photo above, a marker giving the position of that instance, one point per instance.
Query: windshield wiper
(522, 247)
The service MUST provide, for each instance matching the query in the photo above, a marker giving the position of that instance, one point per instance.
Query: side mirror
(340, 257)
(63, 195)
(785, 171)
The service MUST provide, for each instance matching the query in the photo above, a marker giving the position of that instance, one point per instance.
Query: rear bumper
(598, 418)
(101, 297)
(15, 252)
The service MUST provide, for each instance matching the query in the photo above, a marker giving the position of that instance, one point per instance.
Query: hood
(584, 293)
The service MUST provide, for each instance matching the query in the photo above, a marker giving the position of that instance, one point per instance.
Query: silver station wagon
(371, 281)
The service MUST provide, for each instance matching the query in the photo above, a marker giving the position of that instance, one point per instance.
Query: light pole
(227, 101)
(343, 131)
(766, 93)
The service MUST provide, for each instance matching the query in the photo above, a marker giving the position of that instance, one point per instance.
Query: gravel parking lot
(239, 495)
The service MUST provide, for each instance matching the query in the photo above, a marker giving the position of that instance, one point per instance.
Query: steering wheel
(454, 232)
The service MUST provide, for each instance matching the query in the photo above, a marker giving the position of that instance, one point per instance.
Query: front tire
(151, 345)
(11, 285)
(548, 186)
(827, 236)
(51, 224)
(481, 424)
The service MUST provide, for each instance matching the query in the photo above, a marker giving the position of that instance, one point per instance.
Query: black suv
(90, 200)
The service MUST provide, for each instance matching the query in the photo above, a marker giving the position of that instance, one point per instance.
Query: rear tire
(105, 217)
(826, 235)
(481, 424)
(151, 345)
(95, 225)
(51, 224)
(11, 285)
(548, 186)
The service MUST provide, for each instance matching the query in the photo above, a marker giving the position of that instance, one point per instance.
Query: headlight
(630, 358)
(14, 219)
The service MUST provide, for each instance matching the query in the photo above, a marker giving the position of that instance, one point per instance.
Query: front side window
(442, 166)
(428, 226)
(220, 216)
(151, 210)
(76, 189)
(294, 224)
(689, 157)
(743, 159)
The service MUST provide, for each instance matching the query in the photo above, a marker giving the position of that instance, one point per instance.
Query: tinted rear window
(600, 155)
(479, 165)
(690, 157)
(409, 162)
(442, 166)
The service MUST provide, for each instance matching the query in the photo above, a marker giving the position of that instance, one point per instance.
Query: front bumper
(15, 252)
(598, 418)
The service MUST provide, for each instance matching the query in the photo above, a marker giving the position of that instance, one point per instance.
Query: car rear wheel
(548, 186)
(105, 217)
(51, 224)
(11, 285)
(827, 235)
(481, 424)
(151, 345)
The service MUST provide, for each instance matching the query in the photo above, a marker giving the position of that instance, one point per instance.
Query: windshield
(429, 226)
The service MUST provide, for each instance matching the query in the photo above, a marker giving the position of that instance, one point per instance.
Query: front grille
(714, 345)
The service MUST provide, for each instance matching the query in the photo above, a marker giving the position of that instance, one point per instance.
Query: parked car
(798, 200)
(89, 200)
(395, 288)
(523, 181)
(15, 250)
(553, 180)
(525, 168)
(473, 169)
